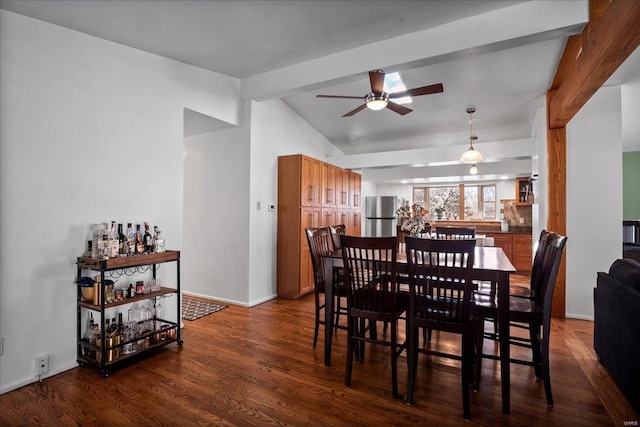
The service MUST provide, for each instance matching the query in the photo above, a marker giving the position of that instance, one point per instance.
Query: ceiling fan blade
(377, 81)
(340, 96)
(424, 90)
(355, 110)
(400, 109)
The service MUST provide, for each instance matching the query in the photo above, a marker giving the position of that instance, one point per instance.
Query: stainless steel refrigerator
(380, 216)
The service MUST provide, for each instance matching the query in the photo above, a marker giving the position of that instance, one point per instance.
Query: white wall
(216, 214)
(275, 131)
(91, 131)
(594, 197)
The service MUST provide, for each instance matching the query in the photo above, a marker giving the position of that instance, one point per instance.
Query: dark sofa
(616, 333)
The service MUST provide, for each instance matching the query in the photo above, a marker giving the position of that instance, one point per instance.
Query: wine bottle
(139, 240)
(147, 239)
(123, 247)
(131, 239)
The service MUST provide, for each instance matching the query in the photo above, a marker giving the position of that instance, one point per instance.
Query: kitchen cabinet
(342, 188)
(311, 180)
(154, 332)
(311, 193)
(329, 185)
(522, 252)
(504, 241)
(518, 247)
(524, 192)
(355, 182)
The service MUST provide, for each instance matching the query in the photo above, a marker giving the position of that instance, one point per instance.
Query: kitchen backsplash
(515, 214)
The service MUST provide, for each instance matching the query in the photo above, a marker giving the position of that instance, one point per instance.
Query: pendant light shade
(473, 170)
(471, 155)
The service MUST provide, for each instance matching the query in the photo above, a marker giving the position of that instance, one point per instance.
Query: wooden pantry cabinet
(311, 193)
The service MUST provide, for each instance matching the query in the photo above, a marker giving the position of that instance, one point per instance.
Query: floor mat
(195, 309)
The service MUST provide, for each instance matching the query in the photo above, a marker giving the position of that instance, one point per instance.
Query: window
(477, 202)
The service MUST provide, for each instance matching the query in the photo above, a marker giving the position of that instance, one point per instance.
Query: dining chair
(372, 295)
(532, 313)
(319, 239)
(534, 283)
(456, 233)
(336, 232)
(441, 298)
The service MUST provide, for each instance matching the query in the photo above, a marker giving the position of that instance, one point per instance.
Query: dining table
(490, 264)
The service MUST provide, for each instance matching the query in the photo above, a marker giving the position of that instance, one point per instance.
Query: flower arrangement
(414, 218)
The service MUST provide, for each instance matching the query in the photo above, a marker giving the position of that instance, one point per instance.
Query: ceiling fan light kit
(471, 155)
(377, 102)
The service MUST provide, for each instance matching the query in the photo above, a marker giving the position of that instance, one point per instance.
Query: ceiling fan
(378, 99)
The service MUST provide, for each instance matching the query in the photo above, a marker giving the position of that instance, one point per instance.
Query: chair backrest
(336, 232)
(536, 277)
(549, 266)
(441, 285)
(455, 233)
(370, 272)
(319, 239)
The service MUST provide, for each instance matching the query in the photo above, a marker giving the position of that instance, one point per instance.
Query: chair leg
(317, 324)
(394, 358)
(350, 349)
(479, 343)
(338, 308)
(536, 357)
(412, 362)
(467, 348)
(546, 375)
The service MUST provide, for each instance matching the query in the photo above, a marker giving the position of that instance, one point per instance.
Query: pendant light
(473, 170)
(471, 155)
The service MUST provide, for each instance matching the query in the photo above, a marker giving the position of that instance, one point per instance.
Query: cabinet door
(310, 218)
(329, 185)
(522, 252)
(342, 188)
(329, 217)
(504, 241)
(356, 222)
(524, 189)
(310, 182)
(344, 217)
(355, 182)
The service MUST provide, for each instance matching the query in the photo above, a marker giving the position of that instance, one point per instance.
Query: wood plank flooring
(256, 367)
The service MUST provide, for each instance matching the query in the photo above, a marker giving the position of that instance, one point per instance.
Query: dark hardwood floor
(255, 366)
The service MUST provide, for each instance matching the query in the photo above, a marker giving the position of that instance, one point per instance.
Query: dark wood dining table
(490, 264)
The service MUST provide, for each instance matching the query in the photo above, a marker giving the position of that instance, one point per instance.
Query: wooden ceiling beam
(607, 42)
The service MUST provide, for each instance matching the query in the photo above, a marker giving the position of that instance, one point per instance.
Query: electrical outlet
(521, 220)
(42, 364)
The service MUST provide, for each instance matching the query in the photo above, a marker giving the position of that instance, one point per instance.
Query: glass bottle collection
(110, 241)
(141, 330)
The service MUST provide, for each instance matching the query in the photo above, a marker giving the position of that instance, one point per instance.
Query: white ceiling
(499, 56)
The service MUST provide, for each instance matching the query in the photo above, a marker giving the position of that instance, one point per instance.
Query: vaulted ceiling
(498, 56)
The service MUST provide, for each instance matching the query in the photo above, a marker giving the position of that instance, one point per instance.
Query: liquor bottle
(154, 241)
(105, 249)
(160, 247)
(147, 239)
(131, 239)
(114, 244)
(123, 246)
(139, 240)
(131, 292)
(88, 253)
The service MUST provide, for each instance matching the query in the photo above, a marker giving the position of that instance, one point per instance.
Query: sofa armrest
(616, 334)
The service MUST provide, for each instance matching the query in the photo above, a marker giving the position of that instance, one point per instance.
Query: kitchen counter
(482, 226)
